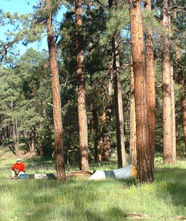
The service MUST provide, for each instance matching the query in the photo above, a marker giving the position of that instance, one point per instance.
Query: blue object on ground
(22, 176)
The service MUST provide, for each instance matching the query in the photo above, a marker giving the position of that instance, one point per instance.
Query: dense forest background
(101, 36)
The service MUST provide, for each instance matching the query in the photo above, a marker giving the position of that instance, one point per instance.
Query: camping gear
(122, 173)
(76, 174)
(36, 176)
(22, 176)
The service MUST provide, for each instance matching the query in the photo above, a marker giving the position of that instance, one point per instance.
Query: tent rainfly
(123, 173)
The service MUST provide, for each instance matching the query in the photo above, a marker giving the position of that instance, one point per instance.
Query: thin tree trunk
(183, 105)
(182, 98)
(31, 142)
(97, 135)
(105, 154)
(106, 113)
(82, 113)
(15, 133)
(105, 139)
(97, 146)
(105, 120)
(144, 167)
(133, 151)
(110, 83)
(173, 115)
(118, 100)
(151, 85)
(167, 109)
(119, 107)
(41, 141)
(57, 113)
(15, 136)
(173, 104)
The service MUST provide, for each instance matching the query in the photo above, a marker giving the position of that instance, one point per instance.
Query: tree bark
(133, 151)
(57, 112)
(105, 154)
(151, 85)
(15, 136)
(31, 142)
(82, 113)
(41, 141)
(182, 98)
(97, 146)
(119, 107)
(118, 100)
(173, 115)
(183, 105)
(167, 109)
(144, 167)
(15, 132)
(173, 98)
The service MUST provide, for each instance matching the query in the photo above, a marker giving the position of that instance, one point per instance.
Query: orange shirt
(19, 166)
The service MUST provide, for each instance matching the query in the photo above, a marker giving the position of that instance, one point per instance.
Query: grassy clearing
(84, 200)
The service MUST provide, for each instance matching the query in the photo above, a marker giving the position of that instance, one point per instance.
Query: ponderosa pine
(144, 167)
(57, 112)
(82, 112)
(133, 151)
(182, 85)
(97, 146)
(151, 84)
(118, 98)
(166, 87)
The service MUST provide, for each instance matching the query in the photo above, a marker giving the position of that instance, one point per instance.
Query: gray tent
(123, 173)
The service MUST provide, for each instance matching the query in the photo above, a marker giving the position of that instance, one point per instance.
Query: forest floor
(79, 199)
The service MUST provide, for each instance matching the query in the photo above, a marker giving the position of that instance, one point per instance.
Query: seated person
(18, 168)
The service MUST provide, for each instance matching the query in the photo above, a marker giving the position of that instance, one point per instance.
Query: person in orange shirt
(18, 168)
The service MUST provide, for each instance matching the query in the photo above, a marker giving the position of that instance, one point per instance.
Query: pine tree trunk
(173, 116)
(82, 113)
(151, 85)
(15, 136)
(167, 109)
(183, 108)
(183, 104)
(31, 143)
(57, 115)
(110, 83)
(41, 141)
(144, 167)
(118, 100)
(173, 103)
(105, 139)
(133, 151)
(97, 146)
(119, 107)
(15, 132)
(105, 154)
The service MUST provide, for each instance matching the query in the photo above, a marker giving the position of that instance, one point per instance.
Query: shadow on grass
(56, 203)
(45, 200)
(112, 214)
(173, 183)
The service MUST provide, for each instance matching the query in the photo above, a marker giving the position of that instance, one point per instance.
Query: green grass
(84, 200)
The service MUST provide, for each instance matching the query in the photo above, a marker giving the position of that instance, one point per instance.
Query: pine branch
(5, 48)
(105, 6)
